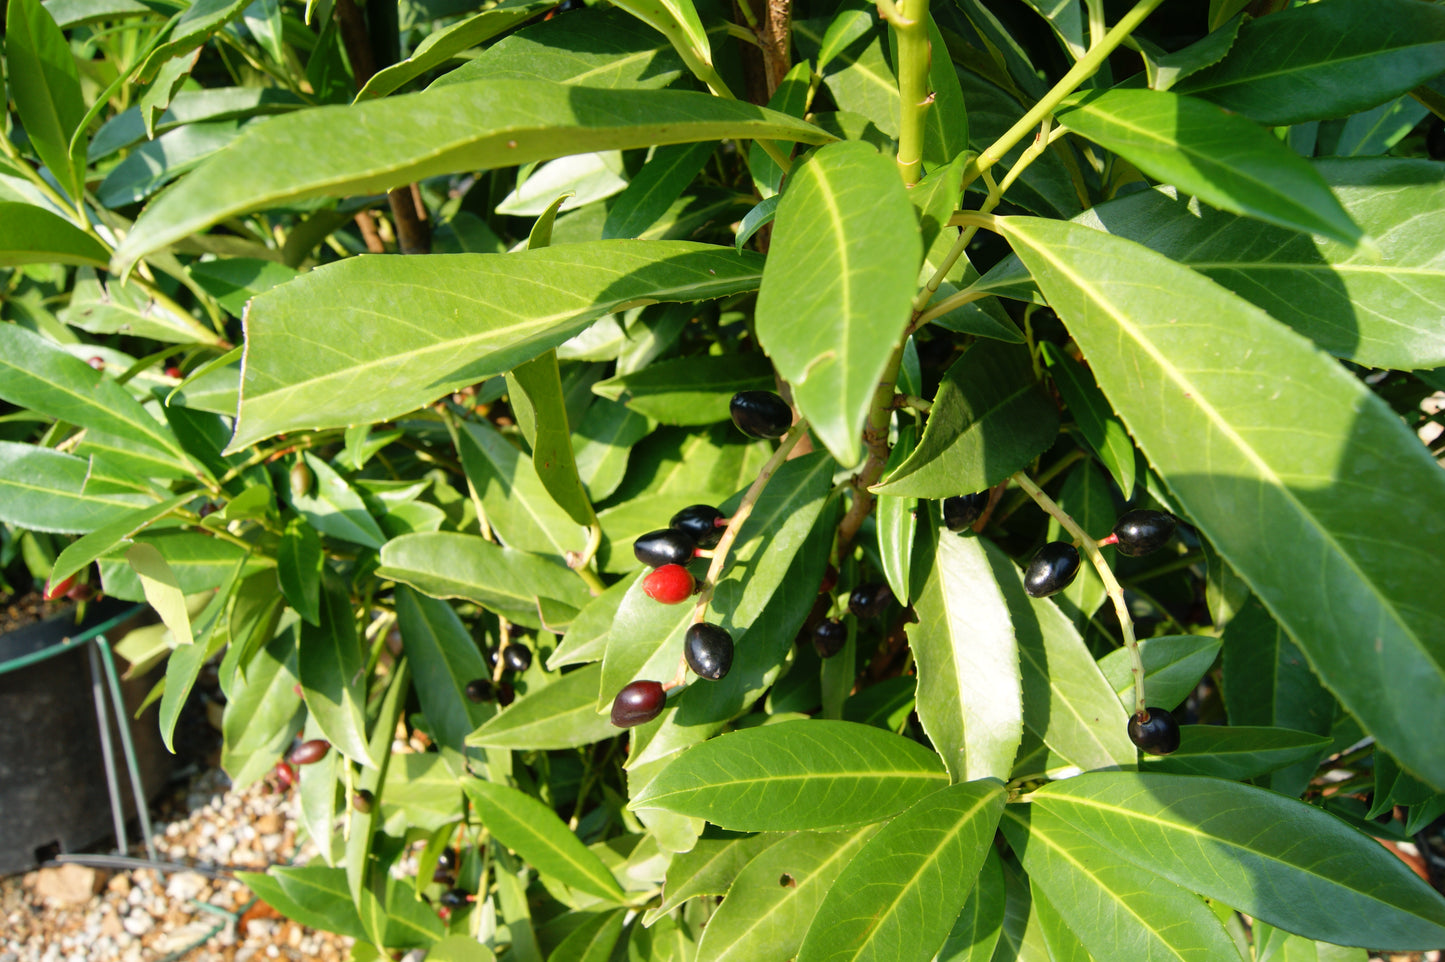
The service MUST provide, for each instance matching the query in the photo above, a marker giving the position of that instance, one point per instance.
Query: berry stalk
(1106, 574)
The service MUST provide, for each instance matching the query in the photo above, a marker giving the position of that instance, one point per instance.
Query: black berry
(481, 689)
(456, 898)
(506, 694)
(639, 702)
(761, 414)
(829, 638)
(1154, 730)
(665, 546)
(1143, 532)
(961, 512)
(700, 521)
(709, 650)
(868, 600)
(517, 657)
(1052, 569)
(447, 860)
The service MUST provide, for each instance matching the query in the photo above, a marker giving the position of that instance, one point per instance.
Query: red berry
(670, 584)
(55, 591)
(283, 775)
(97, 362)
(309, 752)
(639, 702)
(173, 371)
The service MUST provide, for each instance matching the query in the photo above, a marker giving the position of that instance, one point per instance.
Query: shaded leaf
(45, 84)
(689, 390)
(562, 714)
(332, 668)
(34, 235)
(443, 659)
(1238, 752)
(1173, 665)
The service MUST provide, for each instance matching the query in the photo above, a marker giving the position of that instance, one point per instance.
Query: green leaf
(1097, 422)
(652, 191)
(1087, 499)
(80, 553)
(586, 637)
(186, 662)
(443, 658)
(420, 791)
(1045, 187)
(562, 714)
(768, 907)
(381, 144)
(534, 832)
(897, 524)
(332, 668)
(518, 507)
(113, 307)
(365, 878)
(677, 20)
(462, 948)
(45, 84)
(298, 569)
(1225, 160)
(689, 390)
(192, 27)
(508, 582)
(45, 490)
(1271, 857)
(969, 699)
(710, 868)
(156, 163)
(858, 76)
(1116, 911)
(333, 508)
(945, 132)
(976, 931)
(486, 314)
(838, 284)
(602, 442)
(321, 799)
(1256, 449)
(162, 589)
(441, 45)
(1238, 752)
(34, 235)
(312, 895)
(128, 128)
(592, 941)
(797, 775)
(198, 561)
(935, 197)
(899, 896)
(989, 419)
(1173, 665)
(263, 710)
(38, 374)
(1325, 60)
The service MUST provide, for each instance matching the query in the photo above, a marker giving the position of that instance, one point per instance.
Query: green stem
(1081, 71)
(875, 438)
(1111, 584)
(911, 29)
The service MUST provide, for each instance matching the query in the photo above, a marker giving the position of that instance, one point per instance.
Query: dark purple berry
(761, 414)
(961, 512)
(639, 702)
(308, 752)
(829, 638)
(506, 694)
(869, 600)
(456, 898)
(1052, 569)
(442, 877)
(709, 650)
(665, 546)
(517, 657)
(480, 690)
(1143, 532)
(1154, 730)
(700, 521)
(362, 801)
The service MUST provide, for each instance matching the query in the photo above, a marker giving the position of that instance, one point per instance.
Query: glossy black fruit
(868, 600)
(709, 650)
(447, 860)
(481, 689)
(1143, 532)
(506, 694)
(761, 414)
(665, 546)
(456, 898)
(639, 702)
(961, 512)
(829, 638)
(517, 657)
(1154, 730)
(700, 521)
(1052, 569)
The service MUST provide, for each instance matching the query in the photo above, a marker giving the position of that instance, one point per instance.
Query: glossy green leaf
(34, 235)
(380, 144)
(486, 313)
(837, 286)
(768, 908)
(156, 163)
(198, 561)
(1238, 752)
(653, 189)
(945, 131)
(791, 97)
(689, 390)
(319, 788)
(420, 791)
(1272, 857)
(45, 84)
(1173, 665)
(263, 710)
(191, 28)
(586, 637)
(1325, 60)
(1276, 945)
(333, 508)
(897, 523)
(162, 589)
(989, 419)
(1098, 423)
(1116, 910)
(1225, 160)
(899, 896)
(332, 668)
(312, 895)
(128, 128)
(298, 569)
(461, 948)
(517, 505)
(593, 940)
(601, 445)
(444, 564)
(534, 832)
(113, 307)
(441, 45)
(976, 930)
(858, 75)
(1021, 937)
(969, 699)
(186, 661)
(562, 714)
(1255, 432)
(798, 775)
(1087, 499)
(710, 868)
(45, 490)
(443, 659)
(365, 879)
(38, 374)
(79, 554)
(678, 21)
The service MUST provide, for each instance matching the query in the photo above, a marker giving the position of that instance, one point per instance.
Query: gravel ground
(81, 914)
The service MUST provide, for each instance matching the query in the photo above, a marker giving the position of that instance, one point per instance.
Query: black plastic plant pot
(53, 795)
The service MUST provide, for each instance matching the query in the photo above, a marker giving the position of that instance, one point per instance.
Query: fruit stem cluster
(1111, 584)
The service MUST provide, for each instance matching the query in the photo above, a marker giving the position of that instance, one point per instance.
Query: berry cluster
(1055, 565)
(515, 657)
